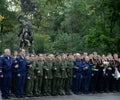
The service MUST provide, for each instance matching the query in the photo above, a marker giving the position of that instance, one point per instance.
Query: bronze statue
(25, 34)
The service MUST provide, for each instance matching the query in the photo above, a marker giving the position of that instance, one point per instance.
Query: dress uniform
(86, 76)
(6, 63)
(113, 81)
(100, 76)
(94, 75)
(77, 76)
(1, 75)
(118, 86)
(20, 75)
(118, 80)
(108, 78)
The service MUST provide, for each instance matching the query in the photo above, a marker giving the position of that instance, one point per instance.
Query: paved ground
(103, 96)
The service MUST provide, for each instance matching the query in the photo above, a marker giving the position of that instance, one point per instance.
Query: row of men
(58, 74)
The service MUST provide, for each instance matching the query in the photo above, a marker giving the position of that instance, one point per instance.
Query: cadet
(50, 75)
(30, 76)
(77, 74)
(6, 63)
(69, 71)
(45, 76)
(39, 73)
(56, 75)
(63, 74)
(20, 73)
(86, 75)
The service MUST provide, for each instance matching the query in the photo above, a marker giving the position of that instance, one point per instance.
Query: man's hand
(46, 77)
(28, 77)
(30, 65)
(92, 74)
(74, 76)
(55, 68)
(106, 74)
(1, 76)
(35, 77)
(85, 68)
(16, 66)
(38, 71)
(18, 75)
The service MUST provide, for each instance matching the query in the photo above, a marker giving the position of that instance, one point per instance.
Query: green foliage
(66, 25)
(7, 26)
(41, 43)
(65, 42)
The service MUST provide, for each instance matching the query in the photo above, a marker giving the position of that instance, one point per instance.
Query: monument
(25, 29)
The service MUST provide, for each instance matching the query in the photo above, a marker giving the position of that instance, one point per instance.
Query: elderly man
(77, 74)
(86, 74)
(6, 62)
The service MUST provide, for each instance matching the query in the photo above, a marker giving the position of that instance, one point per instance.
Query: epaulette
(1, 55)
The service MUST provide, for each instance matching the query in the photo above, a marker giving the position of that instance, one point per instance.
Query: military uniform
(50, 76)
(6, 64)
(13, 87)
(40, 64)
(100, 76)
(56, 77)
(77, 76)
(46, 71)
(86, 76)
(0, 78)
(30, 79)
(20, 80)
(38, 77)
(94, 75)
(108, 78)
(63, 72)
(114, 84)
(68, 82)
(1, 74)
(119, 78)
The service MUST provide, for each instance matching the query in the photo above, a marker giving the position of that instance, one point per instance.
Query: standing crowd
(59, 74)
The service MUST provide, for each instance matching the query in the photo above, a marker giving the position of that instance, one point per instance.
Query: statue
(27, 5)
(25, 34)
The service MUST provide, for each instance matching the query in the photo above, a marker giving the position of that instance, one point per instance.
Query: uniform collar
(22, 56)
(7, 57)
